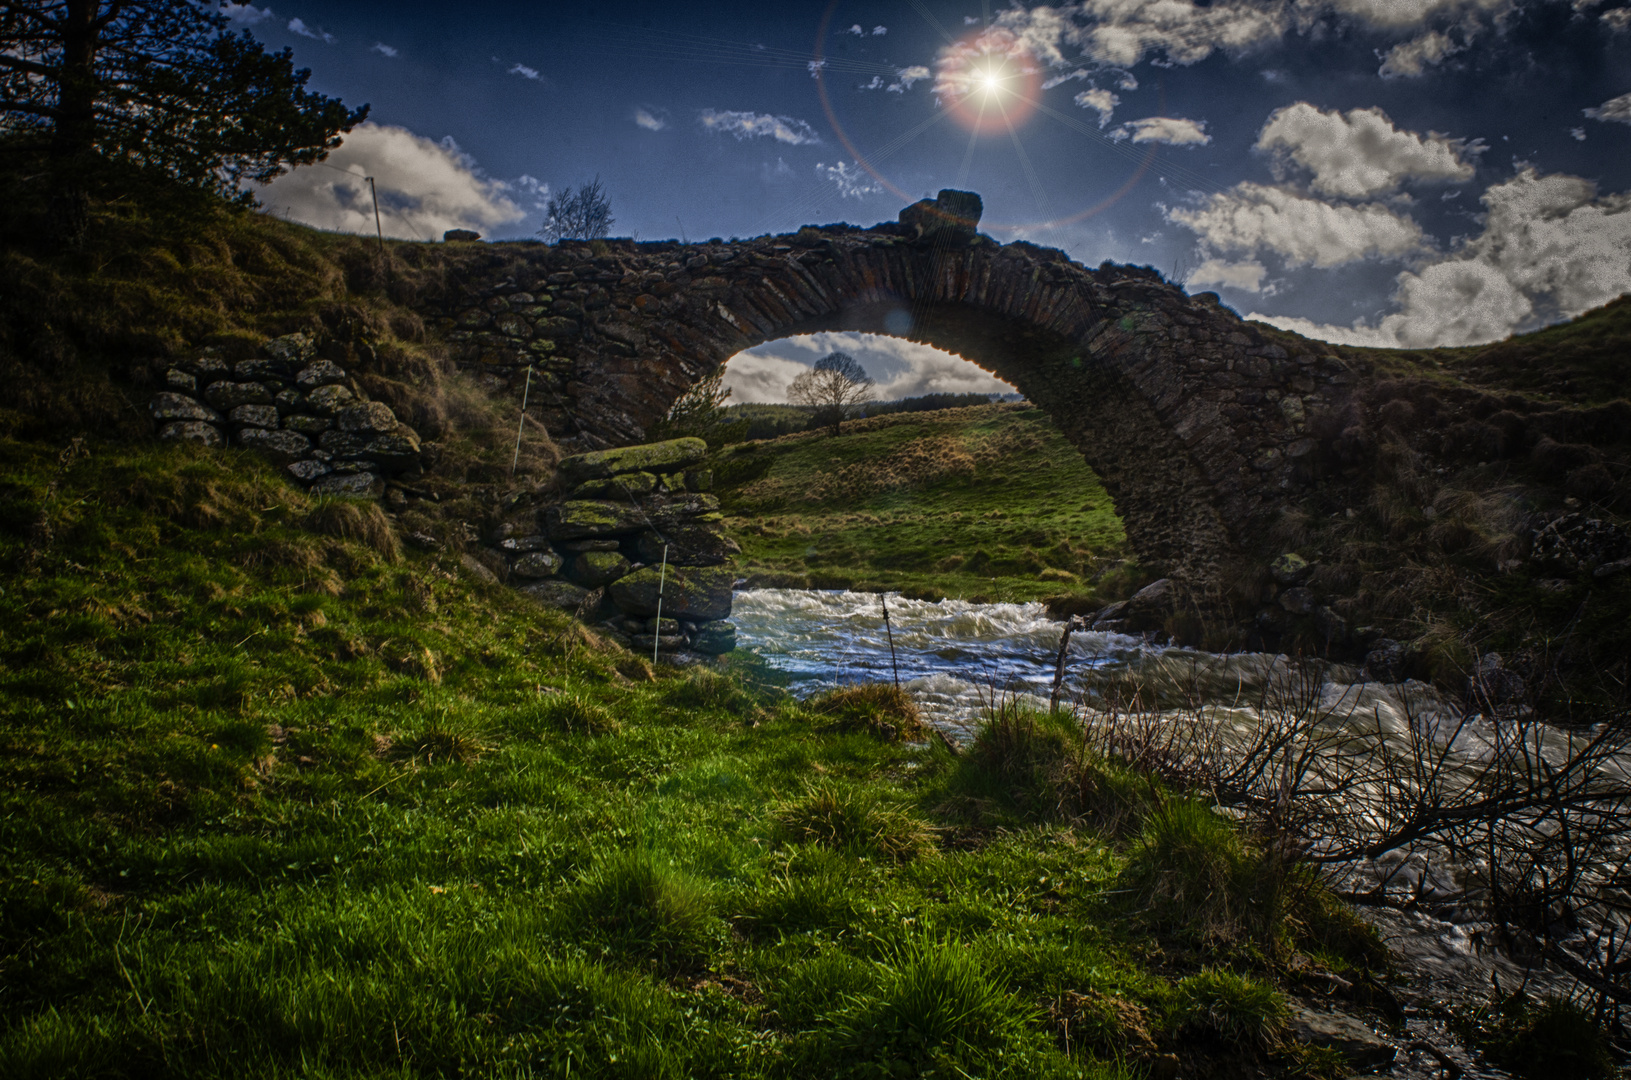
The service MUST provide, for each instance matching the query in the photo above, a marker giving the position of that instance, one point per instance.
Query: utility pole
(378, 232)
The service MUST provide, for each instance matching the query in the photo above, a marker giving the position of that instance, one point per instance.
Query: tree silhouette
(834, 385)
(581, 214)
(161, 85)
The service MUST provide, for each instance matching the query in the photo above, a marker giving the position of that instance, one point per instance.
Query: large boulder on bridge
(662, 457)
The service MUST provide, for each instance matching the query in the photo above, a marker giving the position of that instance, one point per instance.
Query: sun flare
(990, 80)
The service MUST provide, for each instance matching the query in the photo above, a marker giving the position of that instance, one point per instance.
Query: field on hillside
(981, 503)
(279, 798)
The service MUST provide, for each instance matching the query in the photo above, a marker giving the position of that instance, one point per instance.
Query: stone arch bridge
(1197, 422)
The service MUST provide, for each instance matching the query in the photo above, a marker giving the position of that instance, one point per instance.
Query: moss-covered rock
(701, 592)
(662, 457)
(582, 519)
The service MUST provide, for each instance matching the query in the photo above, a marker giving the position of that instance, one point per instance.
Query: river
(955, 658)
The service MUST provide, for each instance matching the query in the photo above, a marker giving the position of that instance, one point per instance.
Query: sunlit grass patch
(854, 821)
(1242, 1012)
(881, 709)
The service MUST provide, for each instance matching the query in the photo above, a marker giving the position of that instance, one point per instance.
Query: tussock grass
(358, 520)
(1242, 1012)
(641, 904)
(854, 821)
(881, 709)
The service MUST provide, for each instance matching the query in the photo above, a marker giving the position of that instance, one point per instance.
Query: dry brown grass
(356, 520)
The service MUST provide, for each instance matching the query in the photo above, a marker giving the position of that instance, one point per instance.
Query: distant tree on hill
(158, 84)
(583, 213)
(836, 384)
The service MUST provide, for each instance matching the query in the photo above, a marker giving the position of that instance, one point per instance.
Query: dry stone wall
(306, 414)
(1198, 422)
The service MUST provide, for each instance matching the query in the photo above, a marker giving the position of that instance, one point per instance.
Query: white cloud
(1247, 275)
(814, 68)
(1305, 231)
(1578, 134)
(1359, 154)
(1618, 19)
(649, 120)
(1102, 101)
(971, 20)
(1410, 59)
(246, 14)
(1059, 80)
(534, 188)
(525, 72)
(879, 31)
(1551, 248)
(906, 76)
(902, 368)
(296, 26)
(381, 47)
(856, 30)
(760, 378)
(1617, 110)
(749, 125)
(425, 188)
(1171, 130)
(852, 181)
(1357, 334)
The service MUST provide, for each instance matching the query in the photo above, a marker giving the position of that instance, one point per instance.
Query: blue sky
(1414, 172)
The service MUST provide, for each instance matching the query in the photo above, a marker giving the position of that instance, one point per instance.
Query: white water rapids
(956, 658)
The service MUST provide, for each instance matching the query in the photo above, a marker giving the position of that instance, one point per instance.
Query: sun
(990, 81)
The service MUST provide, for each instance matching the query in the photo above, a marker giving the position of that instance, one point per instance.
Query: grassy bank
(984, 503)
(282, 798)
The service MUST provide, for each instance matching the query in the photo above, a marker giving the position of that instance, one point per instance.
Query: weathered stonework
(1196, 421)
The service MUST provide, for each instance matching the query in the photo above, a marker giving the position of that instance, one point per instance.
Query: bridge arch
(1196, 421)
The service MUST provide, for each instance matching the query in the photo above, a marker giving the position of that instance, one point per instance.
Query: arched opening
(948, 483)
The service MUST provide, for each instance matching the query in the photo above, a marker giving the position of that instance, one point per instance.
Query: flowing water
(955, 658)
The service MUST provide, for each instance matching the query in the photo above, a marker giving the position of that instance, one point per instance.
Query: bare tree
(581, 213)
(837, 383)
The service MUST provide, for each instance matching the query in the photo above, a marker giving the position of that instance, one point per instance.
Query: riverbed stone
(1361, 1048)
(585, 519)
(714, 638)
(1150, 607)
(702, 592)
(595, 568)
(664, 644)
(536, 564)
(660, 457)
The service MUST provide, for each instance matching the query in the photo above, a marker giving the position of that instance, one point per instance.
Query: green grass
(280, 797)
(986, 502)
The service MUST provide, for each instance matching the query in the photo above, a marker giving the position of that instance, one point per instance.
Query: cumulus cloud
(906, 76)
(1578, 134)
(879, 31)
(902, 368)
(1171, 130)
(856, 30)
(755, 378)
(246, 14)
(1247, 275)
(1122, 33)
(1616, 110)
(1305, 231)
(1360, 153)
(383, 49)
(853, 182)
(1551, 248)
(296, 26)
(1410, 59)
(1102, 101)
(649, 120)
(750, 125)
(525, 72)
(425, 188)
(1618, 19)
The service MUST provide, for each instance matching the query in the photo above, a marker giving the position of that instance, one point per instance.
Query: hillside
(987, 503)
